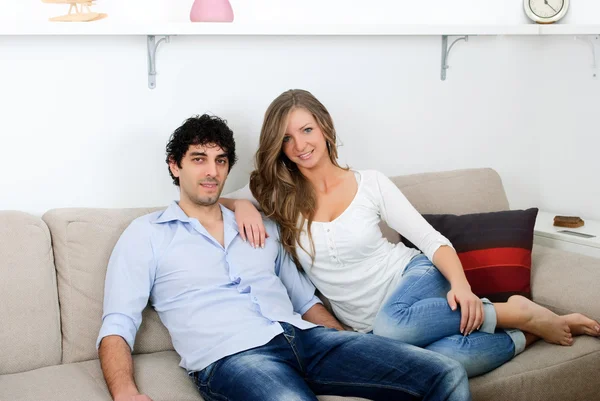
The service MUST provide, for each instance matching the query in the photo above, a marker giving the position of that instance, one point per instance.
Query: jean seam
(212, 396)
(209, 394)
(471, 339)
(290, 340)
(414, 259)
(415, 283)
(371, 385)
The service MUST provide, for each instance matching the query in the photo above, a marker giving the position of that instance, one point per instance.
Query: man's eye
(222, 161)
(196, 159)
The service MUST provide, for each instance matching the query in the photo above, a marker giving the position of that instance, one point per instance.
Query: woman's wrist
(460, 283)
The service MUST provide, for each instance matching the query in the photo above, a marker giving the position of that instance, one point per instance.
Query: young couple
(245, 320)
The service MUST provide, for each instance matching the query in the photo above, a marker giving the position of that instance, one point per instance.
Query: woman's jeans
(417, 313)
(297, 364)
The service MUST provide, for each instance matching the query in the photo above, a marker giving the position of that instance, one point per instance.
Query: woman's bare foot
(581, 324)
(540, 321)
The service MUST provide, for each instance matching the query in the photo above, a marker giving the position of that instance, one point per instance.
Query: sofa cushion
(83, 242)
(566, 282)
(458, 192)
(494, 249)
(544, 372)
(29, 316)
(157, 375)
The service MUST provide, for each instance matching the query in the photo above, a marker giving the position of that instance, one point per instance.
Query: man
(244, 320)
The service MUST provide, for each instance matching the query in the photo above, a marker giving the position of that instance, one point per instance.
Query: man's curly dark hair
(200, 130)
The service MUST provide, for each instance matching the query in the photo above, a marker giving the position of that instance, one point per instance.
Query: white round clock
(546, 11)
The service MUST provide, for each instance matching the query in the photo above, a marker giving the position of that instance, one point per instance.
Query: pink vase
(211, 11)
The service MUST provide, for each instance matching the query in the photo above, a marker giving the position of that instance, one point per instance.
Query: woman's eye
(308, 130)
(286, 139)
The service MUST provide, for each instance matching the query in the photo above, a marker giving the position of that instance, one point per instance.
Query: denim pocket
(203, 377)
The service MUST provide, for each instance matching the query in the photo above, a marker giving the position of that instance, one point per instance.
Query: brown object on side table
(568, 221)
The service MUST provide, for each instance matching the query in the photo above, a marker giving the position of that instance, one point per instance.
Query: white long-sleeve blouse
(355, 266)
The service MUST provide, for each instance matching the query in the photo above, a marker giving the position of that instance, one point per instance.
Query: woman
(329, 218)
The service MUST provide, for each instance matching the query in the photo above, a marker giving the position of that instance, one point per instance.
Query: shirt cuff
(315, 300)
(431, 250)
(119, 325)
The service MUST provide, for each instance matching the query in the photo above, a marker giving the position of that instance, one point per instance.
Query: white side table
(567, 239)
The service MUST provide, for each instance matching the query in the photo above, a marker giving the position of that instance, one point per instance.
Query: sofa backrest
(29, 316)
(458, 192)
(83, 240)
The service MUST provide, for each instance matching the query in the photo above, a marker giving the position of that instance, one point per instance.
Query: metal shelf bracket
(152, 48)
(446, 52)
(592, 42)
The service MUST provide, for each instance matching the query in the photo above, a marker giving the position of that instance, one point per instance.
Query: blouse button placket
(330, 244)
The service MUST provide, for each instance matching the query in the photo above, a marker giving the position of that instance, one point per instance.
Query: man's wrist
(125, 394)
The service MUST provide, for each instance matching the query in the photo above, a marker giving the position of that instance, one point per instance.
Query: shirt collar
(175, 213)
(172, 213)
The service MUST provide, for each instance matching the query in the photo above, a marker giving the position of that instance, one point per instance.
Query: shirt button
(327, 230)
(335, 257)
(255, 299)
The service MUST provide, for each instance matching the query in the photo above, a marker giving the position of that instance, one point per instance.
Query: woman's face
(304, 142)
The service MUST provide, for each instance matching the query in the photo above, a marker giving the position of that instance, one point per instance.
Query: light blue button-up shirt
(214, 300)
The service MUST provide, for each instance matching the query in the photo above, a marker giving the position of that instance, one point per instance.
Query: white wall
(79, 126)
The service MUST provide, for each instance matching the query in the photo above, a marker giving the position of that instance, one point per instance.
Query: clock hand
(546, 2)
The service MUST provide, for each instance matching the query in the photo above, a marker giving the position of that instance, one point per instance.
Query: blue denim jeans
(417, 313)
(299, 364)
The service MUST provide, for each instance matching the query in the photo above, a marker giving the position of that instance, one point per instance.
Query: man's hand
(471, 308)
(250, 223)
(139, 397)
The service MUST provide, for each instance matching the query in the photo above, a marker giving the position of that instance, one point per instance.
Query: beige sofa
(51, 285)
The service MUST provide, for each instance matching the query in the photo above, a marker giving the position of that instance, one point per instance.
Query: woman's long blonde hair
(283, 193)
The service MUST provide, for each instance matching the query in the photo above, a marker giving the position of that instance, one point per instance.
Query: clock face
(546, 8)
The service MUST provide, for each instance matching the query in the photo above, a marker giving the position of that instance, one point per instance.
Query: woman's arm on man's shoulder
(247, 215)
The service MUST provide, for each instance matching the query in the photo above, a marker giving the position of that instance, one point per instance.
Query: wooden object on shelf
(568, 221)
(82, 13)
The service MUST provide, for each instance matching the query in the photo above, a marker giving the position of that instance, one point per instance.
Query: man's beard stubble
(210, 200)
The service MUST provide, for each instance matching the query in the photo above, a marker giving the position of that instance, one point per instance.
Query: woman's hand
(471, 308)
(250, 223)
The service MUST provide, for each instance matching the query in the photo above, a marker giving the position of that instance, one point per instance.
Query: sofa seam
(100, 385)
(45, 229)
(547, 367)
(68, 260)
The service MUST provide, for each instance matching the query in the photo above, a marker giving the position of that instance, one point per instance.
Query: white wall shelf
(568, 29)
(165, 30)
(106, 27)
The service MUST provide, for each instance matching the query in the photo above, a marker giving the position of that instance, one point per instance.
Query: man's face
(202, 174)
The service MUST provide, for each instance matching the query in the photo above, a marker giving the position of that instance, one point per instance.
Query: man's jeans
(417, 313)
(297, 364)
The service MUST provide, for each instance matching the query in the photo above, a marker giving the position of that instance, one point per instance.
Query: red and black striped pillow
(494, 248)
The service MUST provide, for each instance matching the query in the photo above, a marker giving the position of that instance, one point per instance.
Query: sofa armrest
(565, 282)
